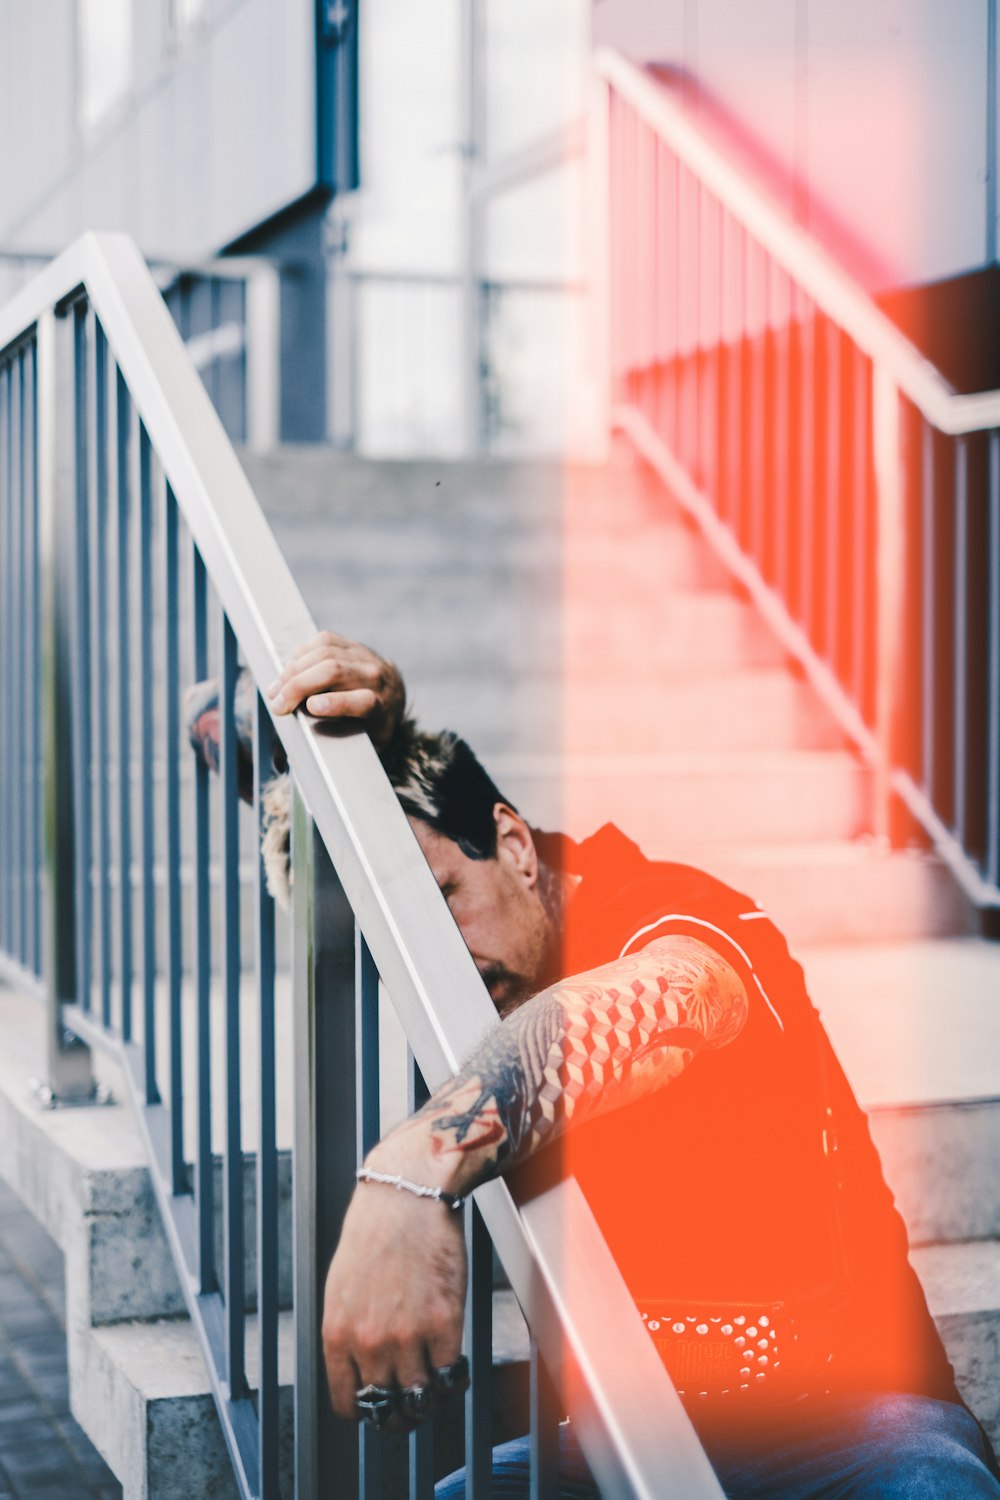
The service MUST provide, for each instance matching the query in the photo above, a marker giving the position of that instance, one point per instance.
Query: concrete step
(839, 892)
(141, 1393)
(299, 480)
(919, 1021)
(555, 553)
(699, 797)
(528, 620)
(940, 1161)
(962, 1283)
(759, 710)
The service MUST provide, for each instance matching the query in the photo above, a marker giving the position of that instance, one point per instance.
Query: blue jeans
(873, 1447)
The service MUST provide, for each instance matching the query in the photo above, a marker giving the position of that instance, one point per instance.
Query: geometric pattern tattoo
(584, 1046)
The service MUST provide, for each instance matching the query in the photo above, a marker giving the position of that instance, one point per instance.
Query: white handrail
(581, 1312)
(834, 292)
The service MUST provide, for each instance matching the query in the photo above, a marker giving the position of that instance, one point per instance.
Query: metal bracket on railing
(46, 1097)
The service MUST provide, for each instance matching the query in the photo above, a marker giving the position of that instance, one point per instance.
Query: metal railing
(229, 313)
(847, 486)
(135, 556)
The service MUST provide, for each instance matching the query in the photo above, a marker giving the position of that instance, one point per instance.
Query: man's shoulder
(616, 870)
(626, 900)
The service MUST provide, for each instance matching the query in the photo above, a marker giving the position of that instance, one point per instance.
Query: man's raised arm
(395, 1292)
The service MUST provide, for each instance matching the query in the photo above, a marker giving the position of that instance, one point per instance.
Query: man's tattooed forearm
(589, 1044)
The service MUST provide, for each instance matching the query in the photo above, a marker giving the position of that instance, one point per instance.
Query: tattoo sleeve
(586, 1045)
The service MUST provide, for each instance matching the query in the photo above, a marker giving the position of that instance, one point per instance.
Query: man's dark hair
(438, 779)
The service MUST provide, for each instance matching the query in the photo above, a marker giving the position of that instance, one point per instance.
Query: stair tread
(960, 1278)
(864, 992)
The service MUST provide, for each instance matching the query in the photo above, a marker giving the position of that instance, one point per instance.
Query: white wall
(875, 109)
(215, 134)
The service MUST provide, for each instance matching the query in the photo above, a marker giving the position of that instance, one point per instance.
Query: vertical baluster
(689, 228)
(235, 1297)
(7, 688)
(645, 247)
(367, 1133)
(204, 1186)
(832, 497)
(860, 560)
(615, 245)
(756, 273)
(960, 661)
(890, 554)
(545, 1415)
(677, 303)
(325, 1149)
(793, 460)
(14, 658)
(35, 702)
(32, 663)
(171, 771)
(82, 684)
(993, 670)
(781, 440)
(124, 450)
(98, 382)
(698, 296)
(808, 471)
(267, 1149)
(723, 369)
(711, 344)
(737, 395)
(628, 129)
(148, 751)
(68, 1063)
(479, 1346)
(422, 1440)
(928, 612)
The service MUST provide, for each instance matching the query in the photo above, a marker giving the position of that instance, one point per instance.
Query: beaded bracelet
(390, 1179)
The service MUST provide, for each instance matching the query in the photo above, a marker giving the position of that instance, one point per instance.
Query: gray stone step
(761, 710)
(701, 797)
(940, 1161)
(962, 1283)
(839, 892)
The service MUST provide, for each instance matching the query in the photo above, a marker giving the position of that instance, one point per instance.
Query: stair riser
(973, 1344)
(752, 711)
(525, 627)
(794, 804)
(815, 901)
(940, 1161)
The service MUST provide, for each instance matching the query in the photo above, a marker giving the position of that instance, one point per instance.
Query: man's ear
(514, 843)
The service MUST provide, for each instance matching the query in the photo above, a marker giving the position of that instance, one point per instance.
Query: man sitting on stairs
(658, 1041)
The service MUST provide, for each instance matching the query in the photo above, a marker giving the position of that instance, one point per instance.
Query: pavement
(44, 1455)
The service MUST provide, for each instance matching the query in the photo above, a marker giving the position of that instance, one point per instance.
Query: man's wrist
(409, 1152)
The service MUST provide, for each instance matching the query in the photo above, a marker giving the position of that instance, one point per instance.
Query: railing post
(890, 561)
(263, 359)
(598, 166)
(323, 981)
(70, 1077)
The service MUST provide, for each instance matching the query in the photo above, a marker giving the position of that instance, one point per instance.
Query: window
(104, 56)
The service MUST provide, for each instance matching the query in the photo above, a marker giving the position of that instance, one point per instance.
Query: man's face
(497, 906)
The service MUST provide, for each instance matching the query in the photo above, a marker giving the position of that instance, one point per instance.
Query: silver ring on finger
(416, 1402)
(375, 1404)
(453, 1379)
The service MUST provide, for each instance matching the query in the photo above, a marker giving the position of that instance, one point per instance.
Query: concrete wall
(877, 112)
(214, 134)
